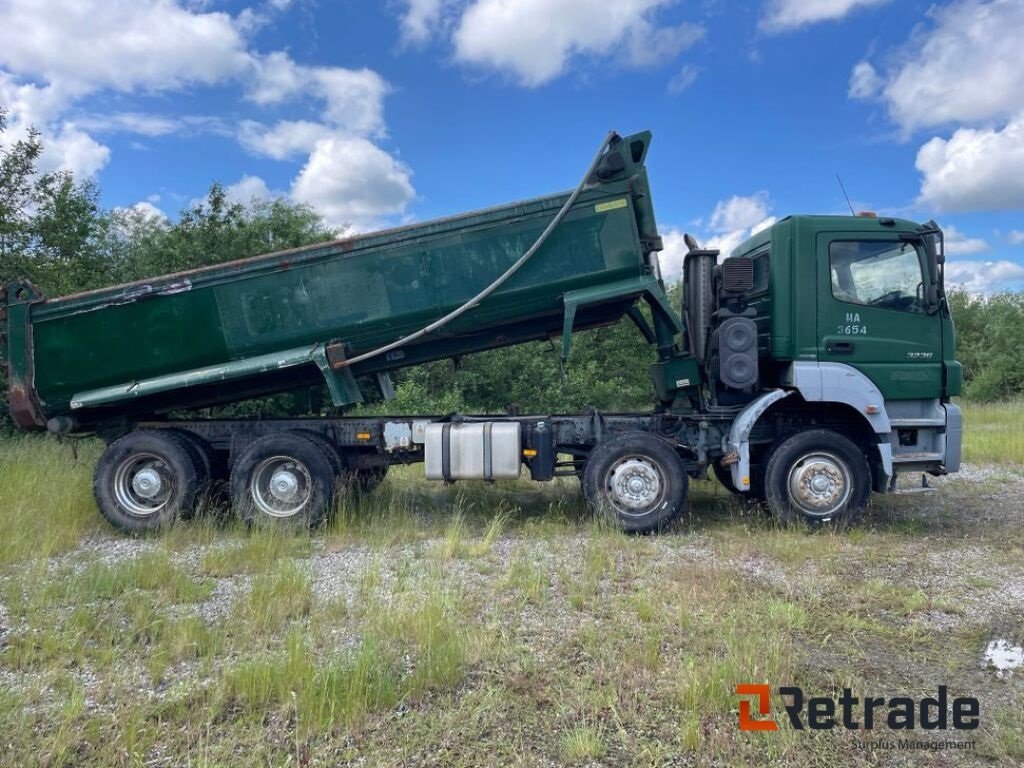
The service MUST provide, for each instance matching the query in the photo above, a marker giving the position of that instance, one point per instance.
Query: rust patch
(24, 408)
(336, 356)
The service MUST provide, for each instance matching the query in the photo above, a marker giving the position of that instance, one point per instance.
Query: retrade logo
(764, 707)
(855, 713)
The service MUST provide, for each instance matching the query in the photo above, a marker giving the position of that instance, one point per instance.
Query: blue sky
(402, 110)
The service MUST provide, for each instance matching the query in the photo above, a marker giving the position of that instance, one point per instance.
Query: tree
(17, 172)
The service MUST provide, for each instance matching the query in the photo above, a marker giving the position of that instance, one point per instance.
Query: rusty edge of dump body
(16, 353)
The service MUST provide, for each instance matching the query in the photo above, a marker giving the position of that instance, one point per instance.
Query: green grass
(46, 504)
(994, 432)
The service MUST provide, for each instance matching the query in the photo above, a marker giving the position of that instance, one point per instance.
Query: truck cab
(852, 328)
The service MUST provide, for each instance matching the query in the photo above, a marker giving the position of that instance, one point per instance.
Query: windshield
(877, 273)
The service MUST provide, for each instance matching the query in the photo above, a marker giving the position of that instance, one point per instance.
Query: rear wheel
(284, 480)
(818, 477)
(638, 479)
(211, 473)
(146, 480)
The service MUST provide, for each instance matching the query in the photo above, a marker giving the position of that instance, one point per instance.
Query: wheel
(201, 451)
(756, 492)
(146, 480)
(637, 477)
(819, 477)
(330, 449)
(283, 479)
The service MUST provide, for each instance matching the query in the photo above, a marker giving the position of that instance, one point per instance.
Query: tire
(146, 480)
(205, 459)
(831, 461)
(330, 449)
(303, 477)
(661, 483)
(755, 495)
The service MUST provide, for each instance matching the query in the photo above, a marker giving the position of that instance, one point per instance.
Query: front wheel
(818, 477)
(638, 479)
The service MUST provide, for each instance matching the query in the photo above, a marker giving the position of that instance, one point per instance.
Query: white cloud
(963, 69)
(975, 169)
(247, 190)
(285, 140)
(130, 122)
(783, 15)
(353, 98)
(420, 19)
(740, 212)
(1016, 237)
(683, 79)
(982, 277)
(734, 220)
(120, 44)
(648, 45)
(959, 244)
(68, 148)
(56, 53)
(865, 81)
(674, 251)
(534, 40)
(353, 183)
(672, 255)
(731, 222)
(147, 210)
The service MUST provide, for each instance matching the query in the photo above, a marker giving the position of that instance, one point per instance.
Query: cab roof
(826, 223)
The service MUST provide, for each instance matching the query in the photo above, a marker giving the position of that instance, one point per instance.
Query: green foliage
(607, 370)
(212, 231)
(990, 343)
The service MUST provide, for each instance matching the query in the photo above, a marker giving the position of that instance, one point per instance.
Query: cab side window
(878, 273)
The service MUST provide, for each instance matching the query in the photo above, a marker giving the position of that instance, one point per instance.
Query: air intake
(737, 275)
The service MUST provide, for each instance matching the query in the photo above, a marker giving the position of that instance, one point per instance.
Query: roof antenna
(845, 195)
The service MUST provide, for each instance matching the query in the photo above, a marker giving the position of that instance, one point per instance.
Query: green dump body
(284, 320)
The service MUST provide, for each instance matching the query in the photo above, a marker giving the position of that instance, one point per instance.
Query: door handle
(839, 347)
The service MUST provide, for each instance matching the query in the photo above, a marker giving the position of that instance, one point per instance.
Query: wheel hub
(819, 484)
(147, 483)
(284, 485)
(635, 485)
(281, 486)
(144, 484)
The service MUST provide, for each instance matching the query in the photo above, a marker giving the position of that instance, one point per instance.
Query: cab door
(872, 312)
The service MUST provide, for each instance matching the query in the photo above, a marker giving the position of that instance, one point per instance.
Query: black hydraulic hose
(440, 323)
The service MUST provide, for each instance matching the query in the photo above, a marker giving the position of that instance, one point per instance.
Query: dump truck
(805, 370)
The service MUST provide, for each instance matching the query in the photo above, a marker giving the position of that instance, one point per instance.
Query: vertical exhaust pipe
(698, 295)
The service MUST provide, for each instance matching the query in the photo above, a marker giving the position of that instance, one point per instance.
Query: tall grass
(46, 502)
(994, 432)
